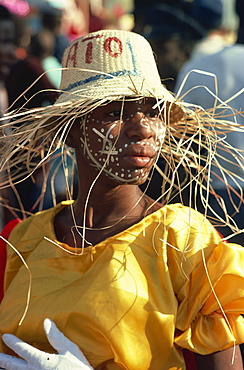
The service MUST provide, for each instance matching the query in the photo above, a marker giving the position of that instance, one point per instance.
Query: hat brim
(103, 85)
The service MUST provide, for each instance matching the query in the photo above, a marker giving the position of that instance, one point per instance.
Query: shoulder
(181, 224)
(185, 228)
(178, 215)
(35, 226)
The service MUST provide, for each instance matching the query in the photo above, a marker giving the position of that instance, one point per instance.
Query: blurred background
(73, 18)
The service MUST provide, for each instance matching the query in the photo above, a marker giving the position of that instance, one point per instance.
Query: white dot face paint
(123, 139)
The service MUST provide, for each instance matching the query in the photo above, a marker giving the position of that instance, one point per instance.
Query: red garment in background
(23, 74)
(5, 234)
(189, 360)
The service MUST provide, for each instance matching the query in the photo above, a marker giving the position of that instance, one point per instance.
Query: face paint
(124, 147)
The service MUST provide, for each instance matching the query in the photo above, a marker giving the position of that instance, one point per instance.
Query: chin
(126, 181)
(136, 180)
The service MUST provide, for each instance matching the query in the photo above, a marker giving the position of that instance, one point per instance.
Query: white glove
(69, 355)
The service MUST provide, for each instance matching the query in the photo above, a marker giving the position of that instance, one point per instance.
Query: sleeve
(212, 301)
(208, 279)
(25, 237)
(18, 239)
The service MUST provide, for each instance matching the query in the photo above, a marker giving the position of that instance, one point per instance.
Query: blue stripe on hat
(133, 72)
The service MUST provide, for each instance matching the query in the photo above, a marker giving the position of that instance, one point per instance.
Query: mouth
(137, 160)
(139, 156)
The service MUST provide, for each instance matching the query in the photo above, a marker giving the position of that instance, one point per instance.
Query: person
(240, 11)
(51, 19)
(7, 51)
(42, 47)
(211, 15)
(172, 33)
(129, 282)
(212, 79)
(8, 57)
(38, 76)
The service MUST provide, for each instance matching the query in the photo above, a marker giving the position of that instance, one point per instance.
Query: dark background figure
(172, 32)
(208, 13)
(29, 86)
(222, 66)
(27, 71)
(220, 29)
(7, 51)
(142, 7)
(240, 12)
(7, 59)
(30, 72)
(51, 19)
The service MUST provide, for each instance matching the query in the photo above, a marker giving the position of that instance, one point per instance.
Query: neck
(102, 208)
(104, 214)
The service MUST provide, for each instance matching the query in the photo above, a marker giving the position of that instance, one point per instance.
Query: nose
(138, 126)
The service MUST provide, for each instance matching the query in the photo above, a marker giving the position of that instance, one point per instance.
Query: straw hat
(110, 63)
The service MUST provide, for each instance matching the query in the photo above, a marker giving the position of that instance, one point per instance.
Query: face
(123, 139)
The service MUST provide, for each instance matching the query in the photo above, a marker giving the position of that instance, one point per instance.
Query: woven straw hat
(110, 63)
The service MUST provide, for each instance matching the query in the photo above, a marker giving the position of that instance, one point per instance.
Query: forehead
(128, 104)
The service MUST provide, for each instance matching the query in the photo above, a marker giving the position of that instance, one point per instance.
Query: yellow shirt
(133, 300)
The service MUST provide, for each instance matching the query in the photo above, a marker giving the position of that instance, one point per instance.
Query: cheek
(106, 138)
(160, 132)
(100, 141)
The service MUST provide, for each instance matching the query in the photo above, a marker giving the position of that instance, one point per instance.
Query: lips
(139, 156)
(138, 161)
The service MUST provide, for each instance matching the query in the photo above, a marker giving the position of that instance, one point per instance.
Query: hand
(69, 355)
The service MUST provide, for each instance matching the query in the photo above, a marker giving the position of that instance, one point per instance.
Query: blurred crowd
(34, 34)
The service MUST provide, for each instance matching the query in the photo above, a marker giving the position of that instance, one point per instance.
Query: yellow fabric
(134, 300)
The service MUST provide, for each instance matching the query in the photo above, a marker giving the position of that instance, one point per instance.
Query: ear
(73, 138)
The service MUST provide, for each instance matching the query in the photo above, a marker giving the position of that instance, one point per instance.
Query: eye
(115, 113)
(152, 114)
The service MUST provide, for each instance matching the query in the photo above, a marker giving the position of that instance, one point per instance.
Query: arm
(229, 359)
